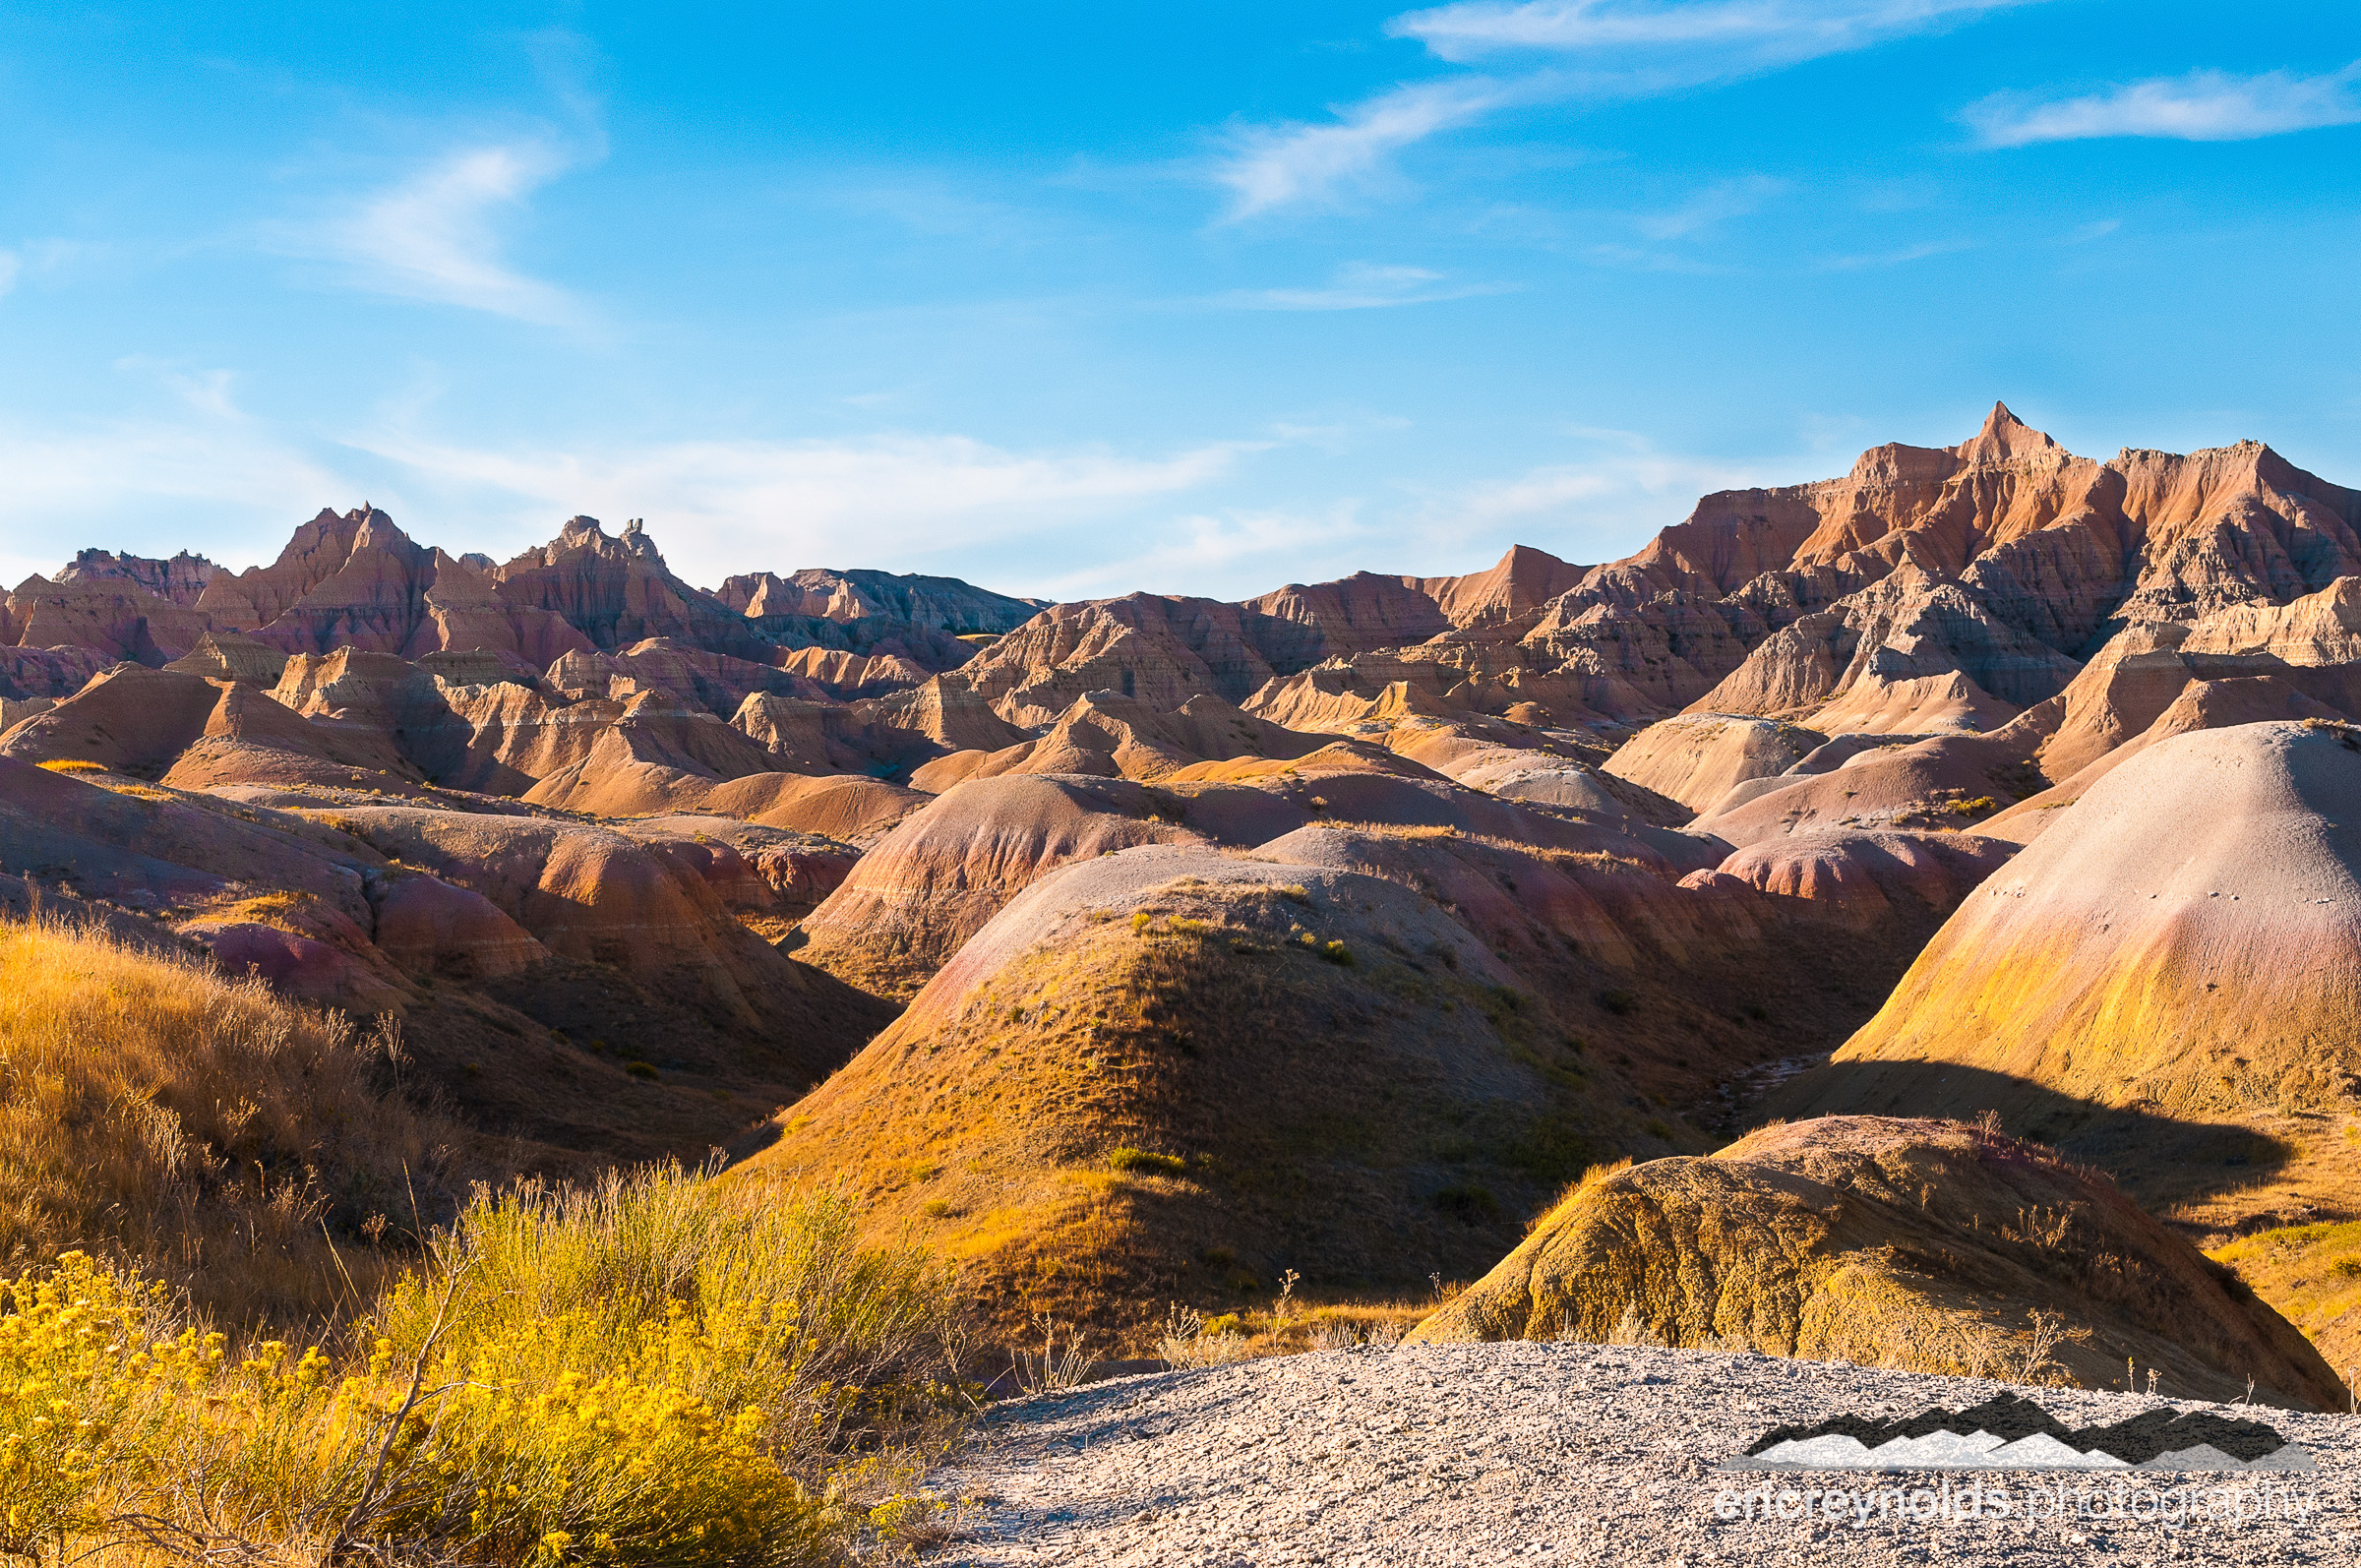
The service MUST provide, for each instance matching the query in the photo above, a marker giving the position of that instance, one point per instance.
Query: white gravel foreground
(1571, 1453)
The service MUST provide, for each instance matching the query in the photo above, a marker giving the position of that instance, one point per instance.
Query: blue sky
(1075, 299)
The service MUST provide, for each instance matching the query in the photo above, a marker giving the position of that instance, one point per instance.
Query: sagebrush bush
(647, 1373)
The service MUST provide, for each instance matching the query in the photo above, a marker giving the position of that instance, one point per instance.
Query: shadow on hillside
(2160, 1160)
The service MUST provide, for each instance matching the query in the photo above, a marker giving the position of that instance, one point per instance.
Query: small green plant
(643, 1069)
(73, 764)
(1336, 952)
(2346, 1268)
(1657, 1127)
(1140, 921)
(1147, 1160)
(936, 1209)
(1618, 1001)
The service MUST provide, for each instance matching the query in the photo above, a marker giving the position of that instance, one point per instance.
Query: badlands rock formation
(1918, 1245)
(2187, 937)
(1603, 852)
(1168, 1073)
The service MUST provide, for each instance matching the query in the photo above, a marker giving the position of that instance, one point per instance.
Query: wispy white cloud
(180, 476)
(1596, 507)
(723, 507)
(1313, 165)
(1606, 49)
(1894, 258)
(2202, 106)
(1787, 29)
(1360, 285)
(1715, 203)
(435, 234)
(1234, 546)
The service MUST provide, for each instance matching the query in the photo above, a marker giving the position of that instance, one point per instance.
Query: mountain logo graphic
(2005, 1433)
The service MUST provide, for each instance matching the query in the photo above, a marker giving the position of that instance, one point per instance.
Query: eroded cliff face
(943, 604)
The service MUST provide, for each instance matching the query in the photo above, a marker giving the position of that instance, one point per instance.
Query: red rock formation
(938, 879)
(1858, 876)
(944, 604)
(181, 580)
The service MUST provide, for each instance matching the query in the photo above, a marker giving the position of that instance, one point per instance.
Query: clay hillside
(1159, 951)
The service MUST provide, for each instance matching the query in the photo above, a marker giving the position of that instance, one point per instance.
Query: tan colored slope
(1913, 706)
(1866, 877)
(1940, 781)
(138, 721)
(1921, 1244)
(2167, 982)
(1365, 1113)
(1111, 736)
(2201, 705)
(1697, 759)
(934, 881)
(2187, 937)
(2311, 644)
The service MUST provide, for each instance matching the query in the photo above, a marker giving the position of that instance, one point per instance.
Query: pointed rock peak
(2004, 439)
(377, 529)
(634, 538)
(581, 530)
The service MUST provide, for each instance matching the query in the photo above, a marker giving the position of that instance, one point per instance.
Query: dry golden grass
(1931, 1246)
(1178, 1102)
(152, 1109)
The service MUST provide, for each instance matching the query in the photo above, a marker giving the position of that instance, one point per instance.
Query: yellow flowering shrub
(645, 1374)
(78, 1386)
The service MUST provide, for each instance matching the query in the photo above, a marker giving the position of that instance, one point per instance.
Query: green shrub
(643, 1069)
(1618, 1001)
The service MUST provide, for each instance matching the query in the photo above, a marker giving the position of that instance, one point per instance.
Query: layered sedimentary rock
(1889, 1243)
(945, 604)
(1862, 876)
(1697, 759)
(937, 879)
(2187, 934)
(1116, 737)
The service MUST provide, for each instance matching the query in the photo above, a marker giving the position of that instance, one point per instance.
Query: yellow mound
(1917, 1244)
(1316, 1071)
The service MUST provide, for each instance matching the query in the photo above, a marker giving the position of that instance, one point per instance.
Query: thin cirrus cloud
(435, 235)
(1606, 49)
(1787, 29)
(1359, 285)
(724, 506)
(1715, 203)
(1270, 167)
(2202, 106)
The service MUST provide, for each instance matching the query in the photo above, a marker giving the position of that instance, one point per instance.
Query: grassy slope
(1367, 1122)
(156, 1110)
